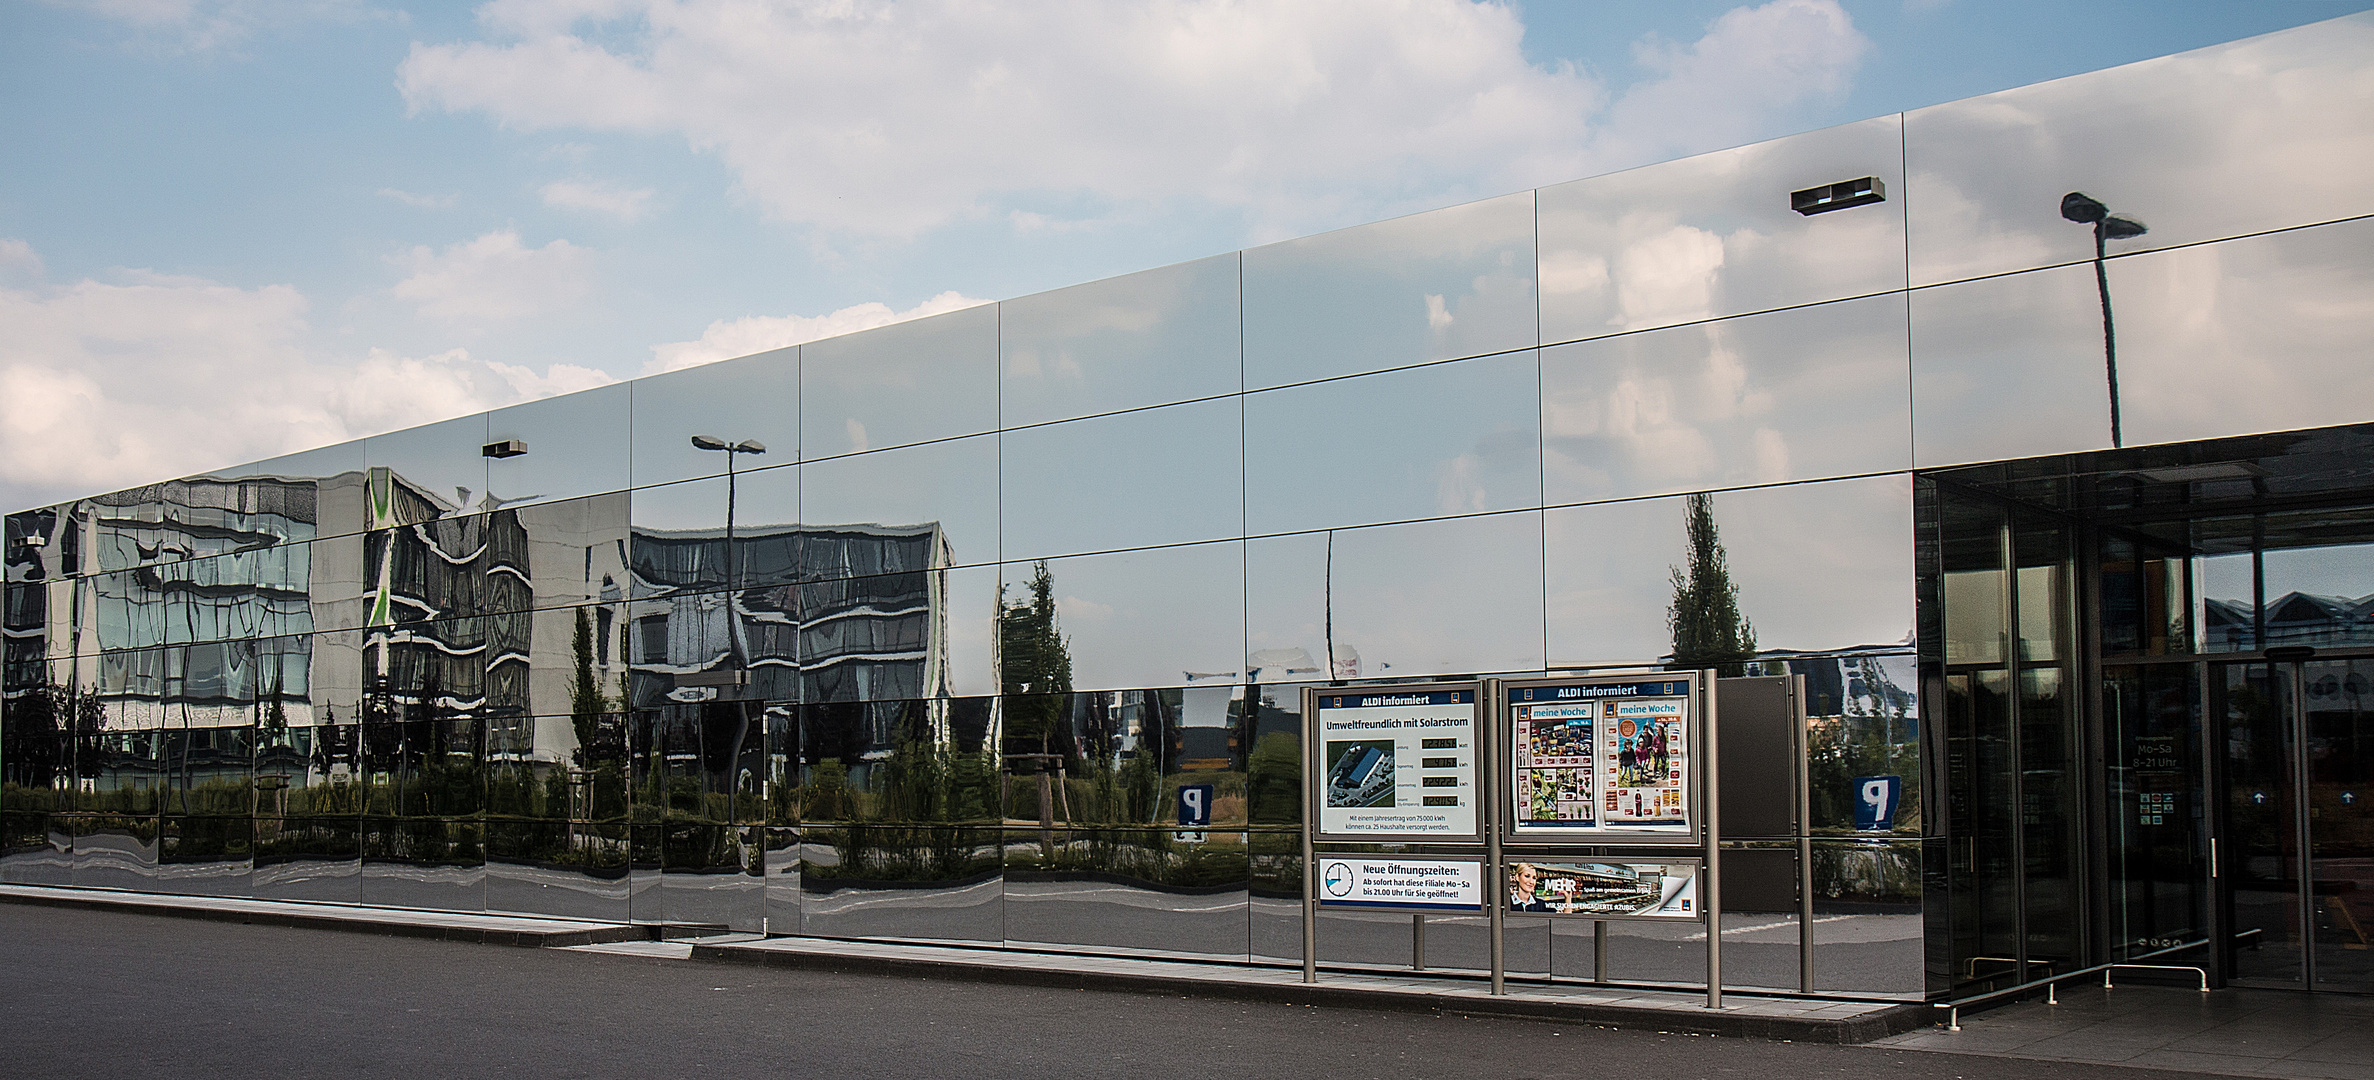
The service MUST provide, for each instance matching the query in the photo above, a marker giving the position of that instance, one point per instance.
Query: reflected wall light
(2084, 209)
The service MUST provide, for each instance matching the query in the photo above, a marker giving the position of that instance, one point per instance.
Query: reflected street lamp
(733, 569)
(2084, 209)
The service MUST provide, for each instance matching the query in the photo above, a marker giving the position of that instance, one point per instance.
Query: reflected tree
(1708, 629)
(1035, 668)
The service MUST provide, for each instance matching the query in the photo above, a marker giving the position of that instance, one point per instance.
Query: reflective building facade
(923, 646)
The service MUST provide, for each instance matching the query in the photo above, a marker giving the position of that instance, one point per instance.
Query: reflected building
(1006, 581)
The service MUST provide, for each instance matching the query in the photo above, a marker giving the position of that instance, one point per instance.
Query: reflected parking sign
(1875, 802)
(1195, 806)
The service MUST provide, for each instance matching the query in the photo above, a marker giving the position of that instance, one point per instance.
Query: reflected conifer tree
(1708, 629)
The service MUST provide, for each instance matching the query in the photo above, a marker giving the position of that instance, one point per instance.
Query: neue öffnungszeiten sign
(1600, 756)
(1397, 762)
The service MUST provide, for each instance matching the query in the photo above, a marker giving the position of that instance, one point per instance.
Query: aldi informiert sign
(1397, 762)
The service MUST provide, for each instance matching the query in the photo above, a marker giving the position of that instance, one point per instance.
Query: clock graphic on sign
(1338, 879)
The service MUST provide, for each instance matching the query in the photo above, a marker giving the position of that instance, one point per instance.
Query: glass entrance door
(2298, 836)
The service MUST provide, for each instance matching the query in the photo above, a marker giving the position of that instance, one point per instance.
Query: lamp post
(2084, 209)
(733, 568)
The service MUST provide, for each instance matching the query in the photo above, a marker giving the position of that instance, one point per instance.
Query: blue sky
(234, 228)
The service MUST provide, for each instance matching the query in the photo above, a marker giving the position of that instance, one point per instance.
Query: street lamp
(2084, 209)
(733, 571)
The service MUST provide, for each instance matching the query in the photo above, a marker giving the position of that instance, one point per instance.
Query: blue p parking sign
(1195, 806)
(1875, 802)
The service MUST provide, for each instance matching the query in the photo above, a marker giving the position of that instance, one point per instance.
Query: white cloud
(422, 202)
(600, 197)
(493, 278)
(725, 340)
(893, 119)
(106, 384)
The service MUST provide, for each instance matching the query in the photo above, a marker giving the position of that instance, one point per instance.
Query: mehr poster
(1397, 762)
(1600, 757)
(1605, 890)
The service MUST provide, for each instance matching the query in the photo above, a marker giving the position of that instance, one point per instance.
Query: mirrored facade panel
(568, 447)
(424, 862)
(2265, 333)
(1433, 286)
(2009, 367)
(931, 378)
(945, 488)
(2180, 144)
(1127, 619)
(679, 532)
(1818, 567)
(431, 471)
(924, 762)
(1792, 395)
(910, 881)
(711, 875)
(563, 869)
(311, 858)
(1150, 338)
(1158, 476)
(570, 551)
(279, 487)
(751, 400)
(1424, 442)
(1137, 890)
(1867, 931)
(205, 854)
(115, 851)
(1400, 601)
(1717, 234)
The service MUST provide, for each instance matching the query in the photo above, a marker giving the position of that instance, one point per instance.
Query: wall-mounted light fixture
(504, 449)
(1838, 196)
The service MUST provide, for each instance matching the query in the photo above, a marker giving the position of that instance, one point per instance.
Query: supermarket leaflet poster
(1398, 763)
(1594, 757)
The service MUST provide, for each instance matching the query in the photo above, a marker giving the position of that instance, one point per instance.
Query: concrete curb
(349, 921)
(1878, 1024)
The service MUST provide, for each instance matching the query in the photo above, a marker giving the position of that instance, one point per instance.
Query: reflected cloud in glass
(1423, 442)
(1171, 334)
(1155, 476)
(755, 397)
(904, 383)
(2008, 367)
(1714, 235)
(1432, 286)
(2264, 133)
(1791, 395)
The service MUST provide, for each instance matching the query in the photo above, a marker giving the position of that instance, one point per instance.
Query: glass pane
(1131, 619)
(755, 399)
(2261, 834)
(1387, 602)
(948, 486)
(905, 383)
(1715, 235)
(1447, 439)
(1156, 476)
(1149, 338)
(2009, 367)
(431, 471)
(1433, 286)
(2170, 142)
(1816, 567)
(886, 636)
(576, 446)
(2338, 712)
(1136, 890)
(2260, 334)
(1867, 928)
(679, 531)
(303, 490)
(1793, 395)
(2157, 839)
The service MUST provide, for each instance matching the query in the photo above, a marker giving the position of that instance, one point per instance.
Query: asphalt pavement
(107, 994)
